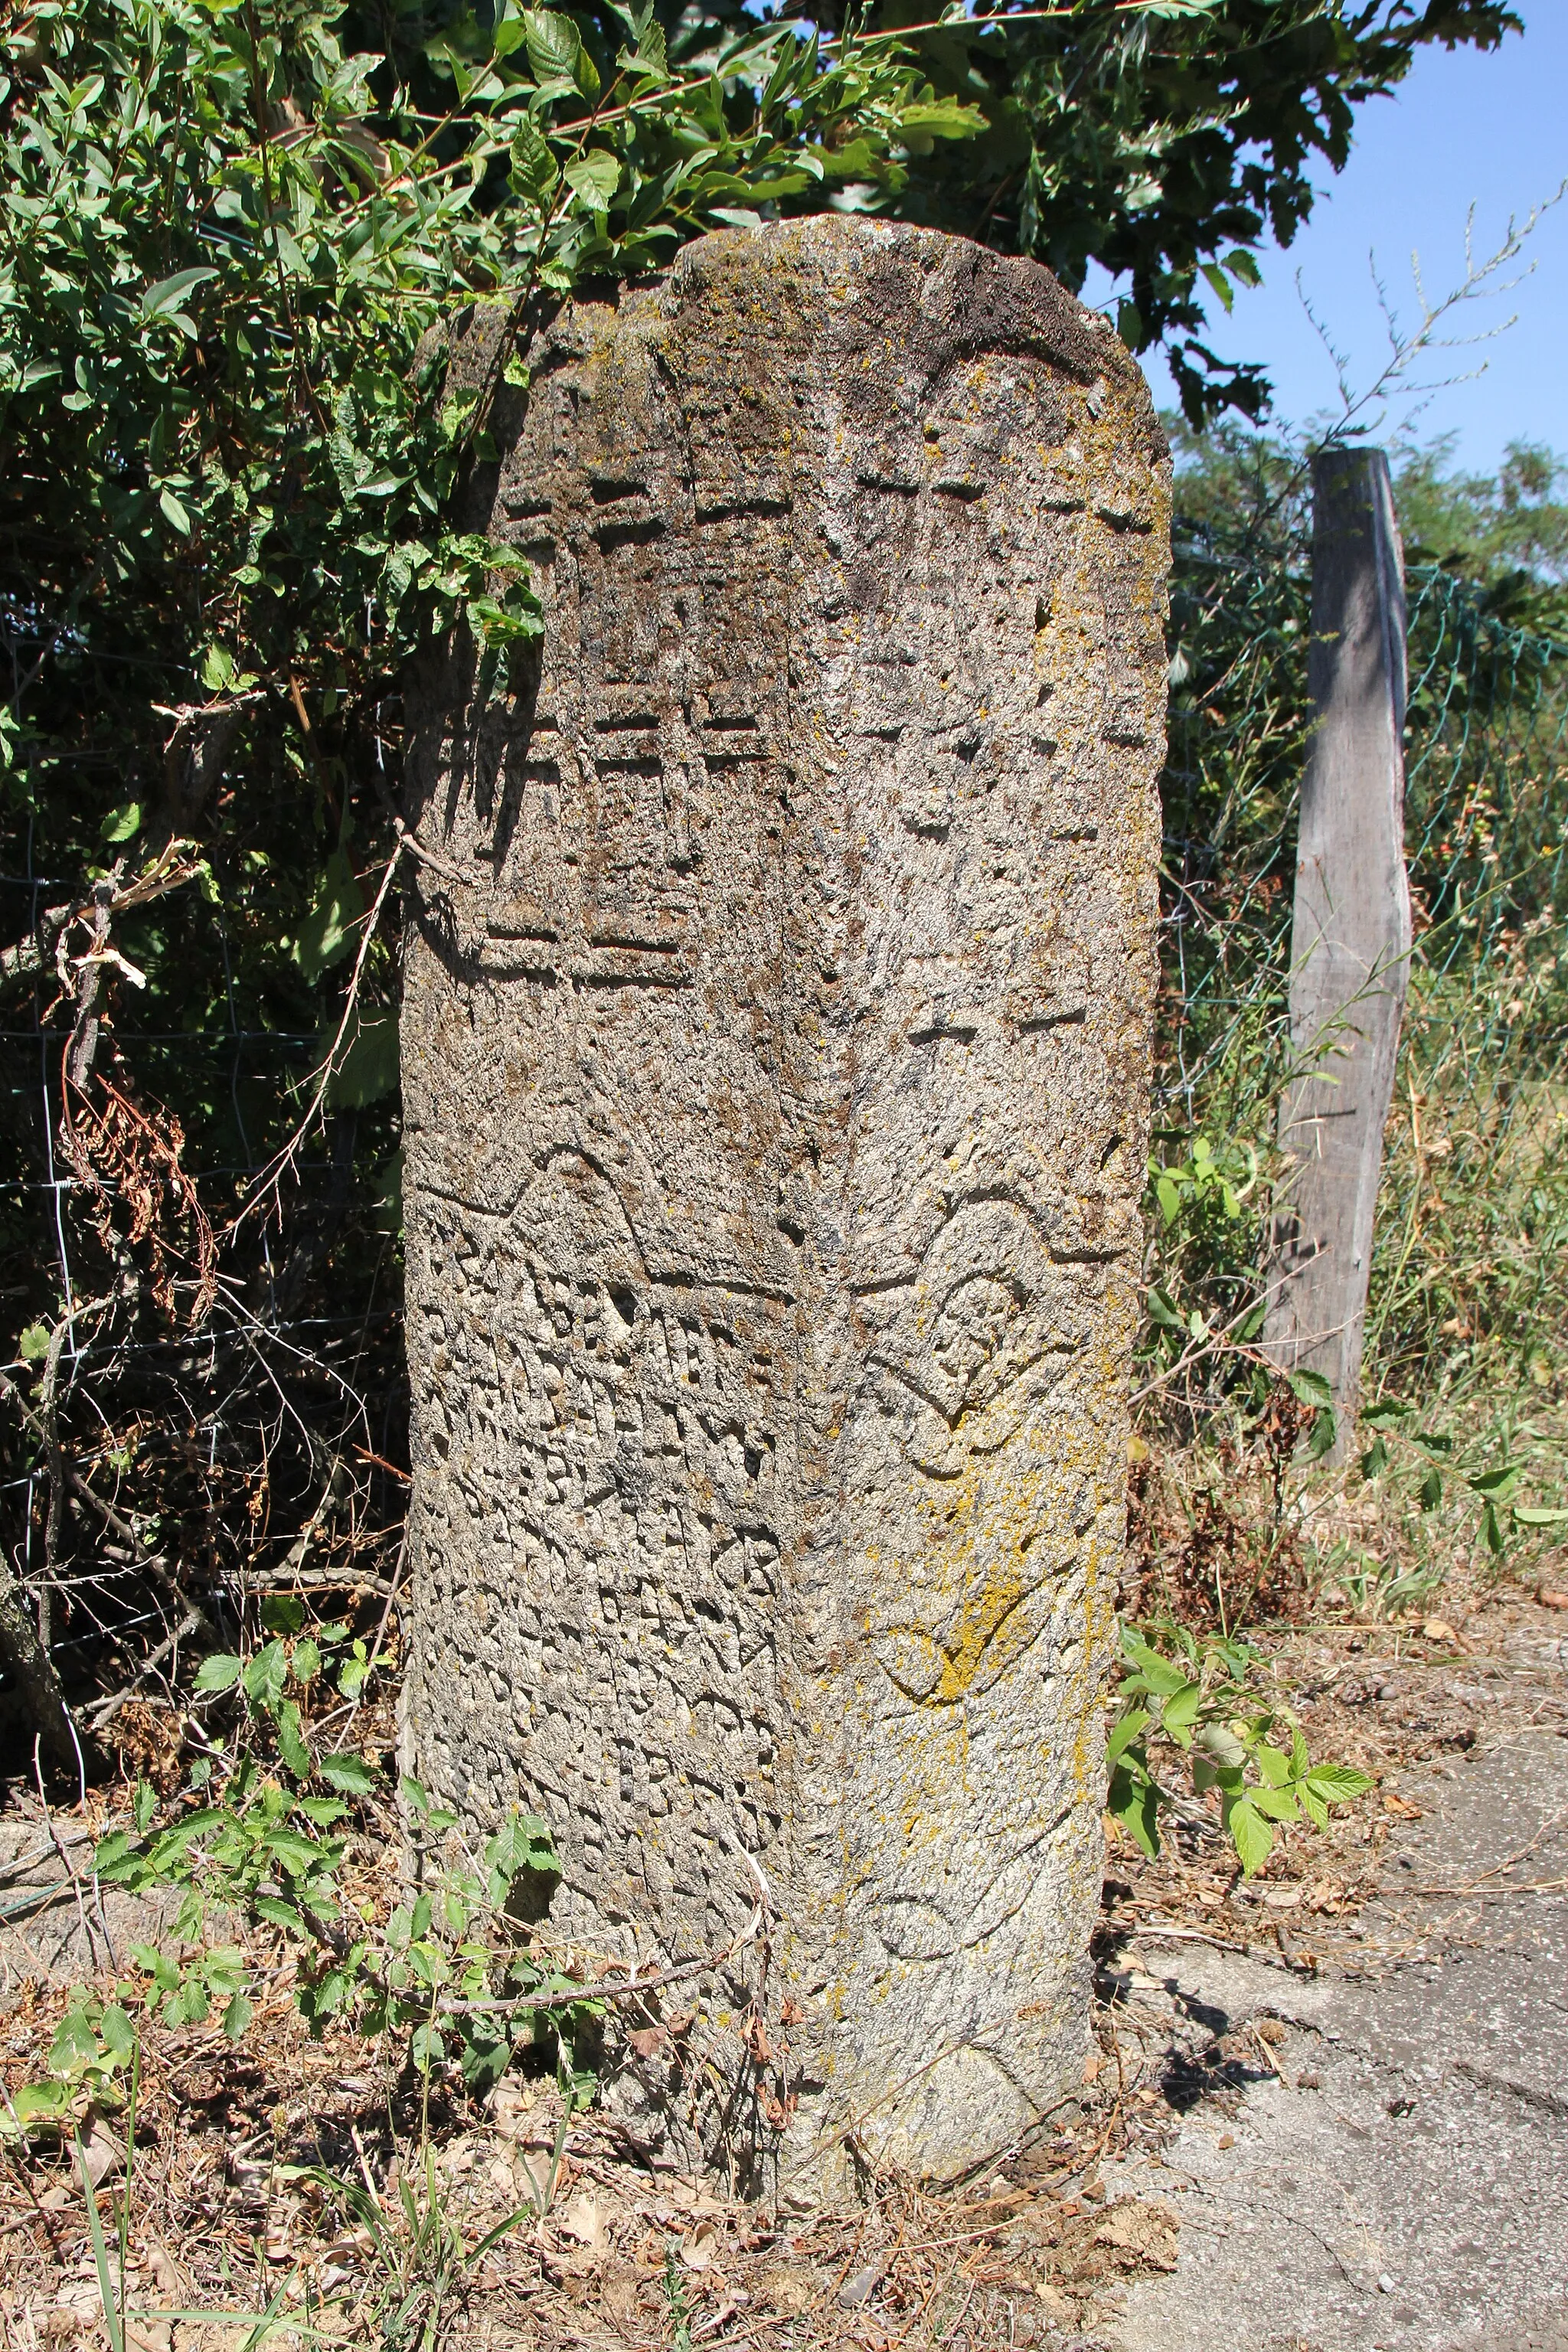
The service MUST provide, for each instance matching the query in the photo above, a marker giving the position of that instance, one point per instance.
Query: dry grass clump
(307, 2180)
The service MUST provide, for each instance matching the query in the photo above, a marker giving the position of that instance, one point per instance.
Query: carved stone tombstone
(775, 1088)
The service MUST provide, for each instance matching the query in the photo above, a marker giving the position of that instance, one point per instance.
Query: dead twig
(1497, 1868)
(170, 870)
(107, 1707)
(65, 1859)
(150, 1564)
(271, 1176)
(31, 1667)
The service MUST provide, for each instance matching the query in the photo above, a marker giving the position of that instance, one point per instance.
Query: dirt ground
(1102, 2231)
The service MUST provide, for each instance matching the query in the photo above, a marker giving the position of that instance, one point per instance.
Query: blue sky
(1465, 127)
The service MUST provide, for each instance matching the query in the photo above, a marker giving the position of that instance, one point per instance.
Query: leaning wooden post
(1350, 948)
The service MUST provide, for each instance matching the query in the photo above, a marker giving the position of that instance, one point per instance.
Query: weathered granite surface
(775, 1096)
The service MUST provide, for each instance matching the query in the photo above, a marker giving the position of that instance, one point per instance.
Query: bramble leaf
(350, 1773)
(1252, 1836)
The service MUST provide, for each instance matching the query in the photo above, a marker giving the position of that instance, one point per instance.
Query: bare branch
(1363, 413)
(40, 950)
(32, 1670)
(150, 1564)
(272, 1174)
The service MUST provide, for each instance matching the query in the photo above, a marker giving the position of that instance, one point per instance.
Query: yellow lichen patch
(991, 1633)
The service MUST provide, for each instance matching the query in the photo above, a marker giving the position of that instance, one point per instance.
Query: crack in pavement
(1432, 2109)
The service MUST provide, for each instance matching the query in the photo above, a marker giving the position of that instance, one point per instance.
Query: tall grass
(1467, 1319)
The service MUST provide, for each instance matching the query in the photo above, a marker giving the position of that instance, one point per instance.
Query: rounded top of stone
(942, 298)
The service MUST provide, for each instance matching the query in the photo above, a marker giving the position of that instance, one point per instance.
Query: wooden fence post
(1350, 949)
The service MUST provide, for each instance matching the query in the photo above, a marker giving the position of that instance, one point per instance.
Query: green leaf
(1531, 1515)
(1124, 1732)
(1321, 1438)
(189, 2006)
(945, 118)
(1163, 1678)
(34, 1344)
(1134, 1802)
(534, 171)
(169, 293)
(1252, 1836)
(1313, 1805)
(1219, 1743)
(368, 1070)
(352, 1673)
(293, 259)
(1180, 1712)
(279, 1914)
(296, 1855)
(1337, 1784)
(554, 44)
(174, 512)
(218, 1674)
(236, 2017)
(652, 53)
(350, 1773)
(328, 930)
(428, 2048)
(1311, 1388)
(523, 1843)
(119, 2033)
(265, 1677)
(282, 1613)
(74, 2044)
(224, 1968)
(485, 2055)
(1220, 283)
(162, 1970)
(290, 1740)
(595, 178)
(40, 2102)
(123, 823)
